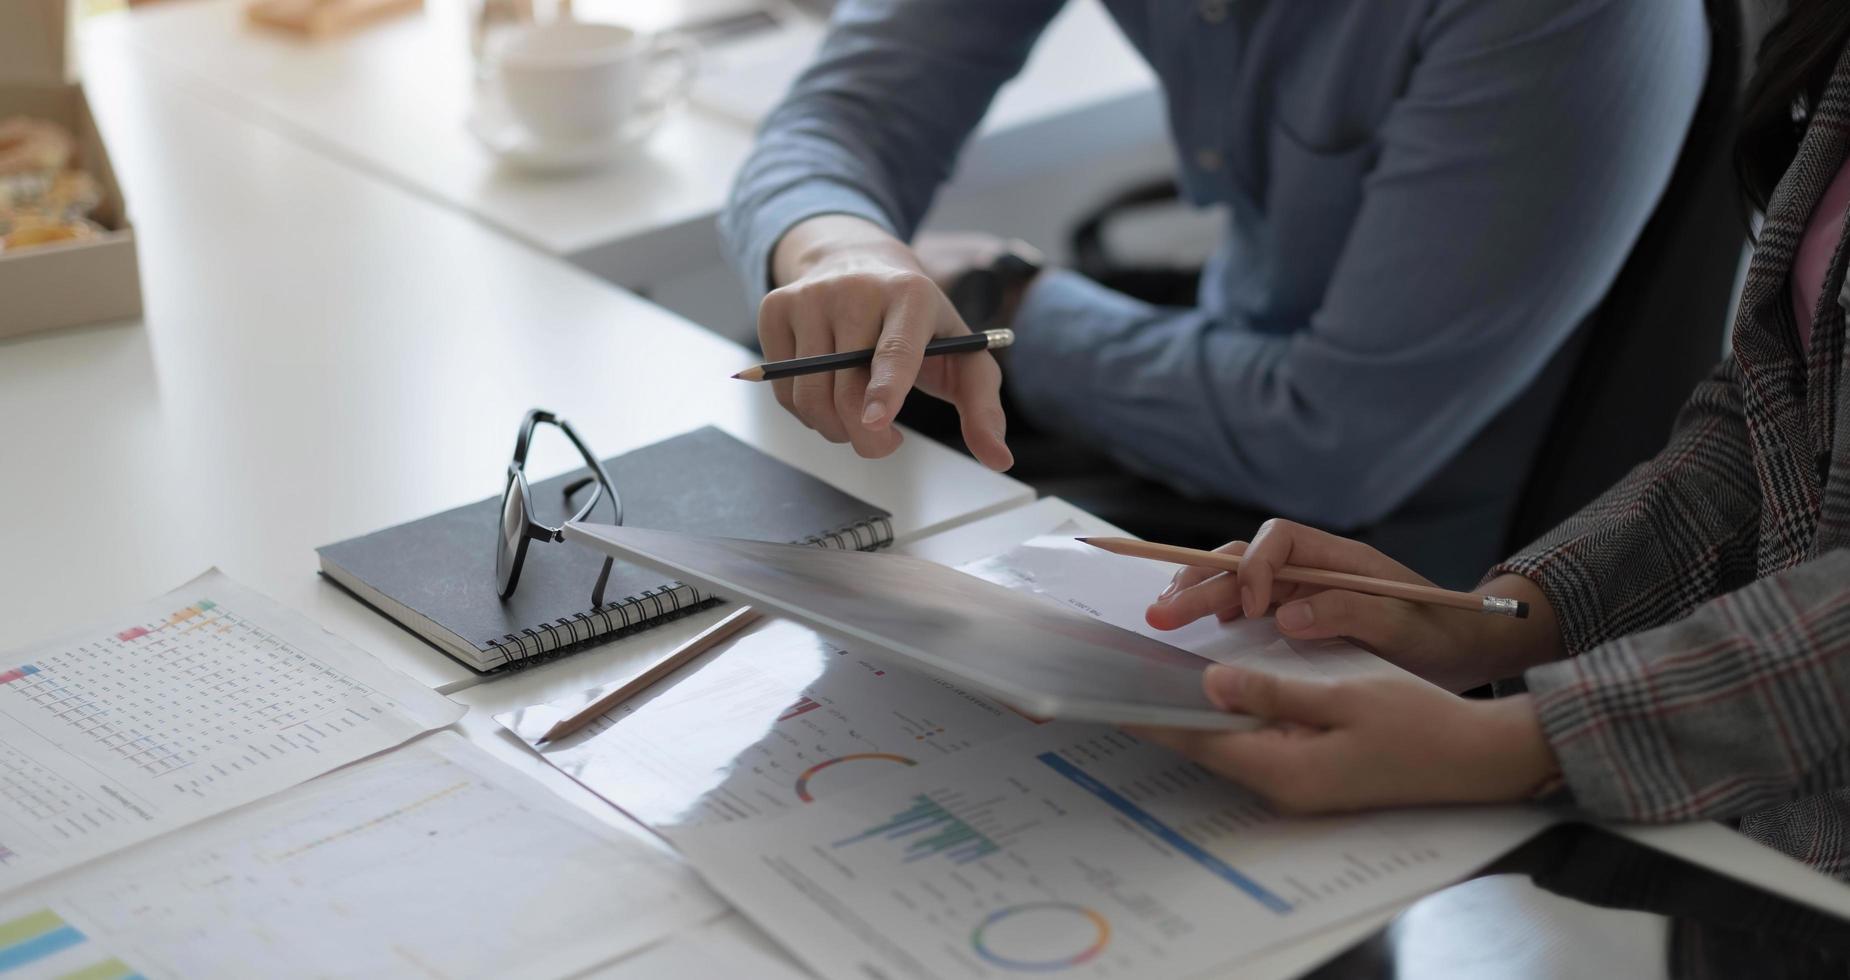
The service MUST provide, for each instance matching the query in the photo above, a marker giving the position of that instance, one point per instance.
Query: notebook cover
(701, 482)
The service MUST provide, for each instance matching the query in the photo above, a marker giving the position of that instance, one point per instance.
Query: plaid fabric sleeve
(1677, 531)
(1741, 705)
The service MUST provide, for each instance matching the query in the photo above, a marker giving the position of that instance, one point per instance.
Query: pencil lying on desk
(772, 370)
(1300, 575)
(705, 640)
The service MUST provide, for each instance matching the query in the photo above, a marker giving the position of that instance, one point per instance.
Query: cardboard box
(94, 280)
(35, 41)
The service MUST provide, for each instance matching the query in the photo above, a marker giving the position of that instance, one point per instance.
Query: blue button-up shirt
(1425, 197)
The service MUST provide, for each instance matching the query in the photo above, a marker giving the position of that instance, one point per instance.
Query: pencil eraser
(1522, 610)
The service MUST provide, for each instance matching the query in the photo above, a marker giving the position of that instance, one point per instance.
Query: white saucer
(505, 137)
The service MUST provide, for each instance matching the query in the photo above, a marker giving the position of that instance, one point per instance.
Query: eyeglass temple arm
(533, 418)
(603, 579)
(597, 468)
(604, 484)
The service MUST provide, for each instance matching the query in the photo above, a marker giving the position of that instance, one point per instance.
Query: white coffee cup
(571, 81)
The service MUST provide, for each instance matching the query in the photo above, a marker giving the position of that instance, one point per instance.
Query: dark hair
(1793, 65)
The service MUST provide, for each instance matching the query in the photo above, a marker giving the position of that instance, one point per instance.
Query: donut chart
(803, 780)
(1047, 936)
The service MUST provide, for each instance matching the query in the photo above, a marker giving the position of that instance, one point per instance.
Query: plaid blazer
(1705, 599)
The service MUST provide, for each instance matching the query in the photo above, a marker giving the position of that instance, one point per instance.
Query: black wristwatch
(982, 296)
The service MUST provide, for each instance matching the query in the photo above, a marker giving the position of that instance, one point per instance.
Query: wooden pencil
(968, 343)
(1300, 575)
(705, 640)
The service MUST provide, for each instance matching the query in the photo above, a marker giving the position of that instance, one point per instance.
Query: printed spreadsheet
(207, 698)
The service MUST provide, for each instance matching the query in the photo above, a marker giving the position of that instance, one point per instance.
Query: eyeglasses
(518, 527)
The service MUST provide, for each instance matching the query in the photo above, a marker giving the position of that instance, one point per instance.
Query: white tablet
(1040, 658)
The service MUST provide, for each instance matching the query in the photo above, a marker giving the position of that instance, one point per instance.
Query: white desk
(324, 355)
(393, 100)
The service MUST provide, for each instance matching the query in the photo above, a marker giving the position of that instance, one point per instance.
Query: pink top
(1815, 249)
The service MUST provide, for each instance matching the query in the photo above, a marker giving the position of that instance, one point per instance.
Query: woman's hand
(1452, 648)
(1366, 743)
(845, 284)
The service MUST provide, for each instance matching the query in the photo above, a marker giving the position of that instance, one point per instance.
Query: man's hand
(1367, 743)
(947, 255)
(845, 284)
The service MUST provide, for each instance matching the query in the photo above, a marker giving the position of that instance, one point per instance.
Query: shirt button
(1213, 11)
(1208, 158)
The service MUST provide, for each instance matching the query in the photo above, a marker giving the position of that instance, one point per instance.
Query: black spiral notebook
(436, 576)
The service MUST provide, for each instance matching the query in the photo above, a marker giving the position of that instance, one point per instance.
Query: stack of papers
(161, 816)
(880, 821)
(205, 699)
(432, 861)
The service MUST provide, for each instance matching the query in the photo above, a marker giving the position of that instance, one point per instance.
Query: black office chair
(1660, 328)
(1655, 335)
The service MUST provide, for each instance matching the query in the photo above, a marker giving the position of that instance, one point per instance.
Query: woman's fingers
(1281, 542)
(1193, 575)
(1163, 614)
(1383, 741)
(1376, 622)
(1272, 548)
(1208, 598)
(1218, 597)
(1271, 697)
(1286, 766)
(1280, 763)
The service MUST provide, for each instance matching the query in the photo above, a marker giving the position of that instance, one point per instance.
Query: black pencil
(987, 340)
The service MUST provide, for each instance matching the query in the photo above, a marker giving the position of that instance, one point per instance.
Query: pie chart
(854, 762)
(1041, 937)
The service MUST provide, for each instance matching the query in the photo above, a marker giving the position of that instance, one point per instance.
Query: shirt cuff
(753, 237)
(1577, 607)
(1062, 322)
(1564, 694)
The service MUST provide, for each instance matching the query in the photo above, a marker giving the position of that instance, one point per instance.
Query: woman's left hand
(1367, 743)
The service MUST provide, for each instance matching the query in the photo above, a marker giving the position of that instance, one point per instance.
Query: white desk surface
(393, 100)
(324, 355)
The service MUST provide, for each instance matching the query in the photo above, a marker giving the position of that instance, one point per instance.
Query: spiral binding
(546, 643)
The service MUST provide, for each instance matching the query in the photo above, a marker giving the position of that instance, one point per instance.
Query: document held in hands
(1035, 655)
(780, 718)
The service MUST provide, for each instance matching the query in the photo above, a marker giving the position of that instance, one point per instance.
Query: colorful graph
(930, 830)
(179, 616)
(803, 704)
(18, 672)
(44, 941)
(803, 792)
(1165, 833)
(1001, 938)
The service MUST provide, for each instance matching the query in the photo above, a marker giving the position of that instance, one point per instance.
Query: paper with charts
(777, 719)
(205, 699)
(781, 717)
(432, 861)
(1074, 850)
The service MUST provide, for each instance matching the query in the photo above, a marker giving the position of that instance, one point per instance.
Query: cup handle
(673, 60)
